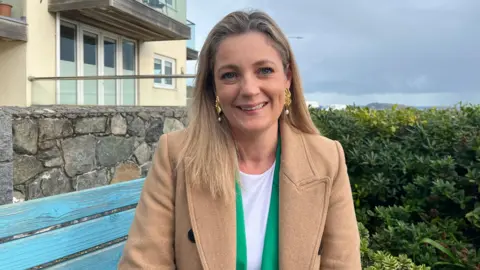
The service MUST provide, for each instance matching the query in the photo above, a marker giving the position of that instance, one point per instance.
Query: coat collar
(302, 212)
(296, 163)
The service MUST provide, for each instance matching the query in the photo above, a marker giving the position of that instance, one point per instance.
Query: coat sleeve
(150, 243)
(341, 238)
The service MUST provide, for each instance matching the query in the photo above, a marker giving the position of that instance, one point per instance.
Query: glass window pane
(128, 55)
(168, 71)
(109, 68)
(90, 68)
(128, 49)
(68, 64)
(157, 70)
(169, 2)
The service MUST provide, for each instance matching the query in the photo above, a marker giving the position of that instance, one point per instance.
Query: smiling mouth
(253, 108)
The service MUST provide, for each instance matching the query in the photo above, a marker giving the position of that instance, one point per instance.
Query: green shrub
(380, 260)
(415, 178)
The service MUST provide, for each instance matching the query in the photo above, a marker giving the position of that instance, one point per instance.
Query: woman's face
(250, 82)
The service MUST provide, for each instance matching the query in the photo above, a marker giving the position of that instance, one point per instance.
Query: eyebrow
(258, 63)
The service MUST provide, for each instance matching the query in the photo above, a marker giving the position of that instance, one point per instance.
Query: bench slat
(105, 259)
(45, 212)
(46, 247)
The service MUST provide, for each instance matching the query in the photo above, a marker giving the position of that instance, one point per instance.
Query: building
(51, 38)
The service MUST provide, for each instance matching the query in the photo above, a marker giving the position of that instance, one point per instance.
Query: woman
(249, 184)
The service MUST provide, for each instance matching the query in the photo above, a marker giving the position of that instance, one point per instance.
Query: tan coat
(177, 227)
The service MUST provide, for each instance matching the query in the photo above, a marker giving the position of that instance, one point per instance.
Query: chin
(254, 127)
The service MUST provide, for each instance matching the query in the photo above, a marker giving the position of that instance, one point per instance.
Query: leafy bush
(380, 260)
(415, 178)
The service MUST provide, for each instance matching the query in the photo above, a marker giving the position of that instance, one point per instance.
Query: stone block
(46, 144)
(172, 124)
(118, 125)
(51, 128)
(48, 183)
(49, 154)
(25, 136)
(6, 184)
(6, 147)
(111, 150)
(154, 131)
(142, 153)
(79, 154)
(54, 162)
(136, 127)
(25, 168)
(91, 180)
(91, 125)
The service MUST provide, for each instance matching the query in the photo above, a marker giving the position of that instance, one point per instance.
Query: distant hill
(381, 106)
(378, 106)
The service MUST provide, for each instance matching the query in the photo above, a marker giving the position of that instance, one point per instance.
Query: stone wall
(46, 151)
(6, 159)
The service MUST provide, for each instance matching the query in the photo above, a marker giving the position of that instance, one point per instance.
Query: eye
(265, 71)
(228, 76)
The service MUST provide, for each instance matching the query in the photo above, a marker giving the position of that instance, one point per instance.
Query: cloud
(374, 49)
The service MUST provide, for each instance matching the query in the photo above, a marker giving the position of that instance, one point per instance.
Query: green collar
(270, 248)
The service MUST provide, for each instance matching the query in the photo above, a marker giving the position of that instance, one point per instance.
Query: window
(86, 51)
(159, 4)
(164, 66)
(169, 3)
(68, 63)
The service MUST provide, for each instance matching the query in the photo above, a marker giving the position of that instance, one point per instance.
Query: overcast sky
(415, 52)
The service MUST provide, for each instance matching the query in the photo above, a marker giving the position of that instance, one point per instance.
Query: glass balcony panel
(18, 8)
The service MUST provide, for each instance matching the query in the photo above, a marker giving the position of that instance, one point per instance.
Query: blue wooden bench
(78, 230)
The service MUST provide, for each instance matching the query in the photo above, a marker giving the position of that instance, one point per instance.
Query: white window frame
(174, 69)
(101, 35)
(164, 2)
(172, 5)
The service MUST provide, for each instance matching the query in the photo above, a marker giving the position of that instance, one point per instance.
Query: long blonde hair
(209, 154)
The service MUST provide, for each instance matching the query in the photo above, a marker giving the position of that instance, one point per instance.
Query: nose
(250, 85)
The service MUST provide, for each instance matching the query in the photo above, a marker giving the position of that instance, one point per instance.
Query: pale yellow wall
(147, 94)
(12, 73)
(41, 52)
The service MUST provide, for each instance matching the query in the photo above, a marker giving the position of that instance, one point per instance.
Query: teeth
(259, 106)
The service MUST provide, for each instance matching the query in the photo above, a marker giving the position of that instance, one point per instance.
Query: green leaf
(439, 247)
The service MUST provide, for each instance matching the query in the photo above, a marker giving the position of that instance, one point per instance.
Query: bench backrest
(78, 230)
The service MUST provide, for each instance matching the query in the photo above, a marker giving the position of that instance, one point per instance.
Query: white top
(256, 192)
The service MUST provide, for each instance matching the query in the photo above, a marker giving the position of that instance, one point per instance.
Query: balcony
(192, 53)
(140, 20)
(13, 26)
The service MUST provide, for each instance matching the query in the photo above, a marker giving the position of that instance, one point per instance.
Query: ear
(288, 77)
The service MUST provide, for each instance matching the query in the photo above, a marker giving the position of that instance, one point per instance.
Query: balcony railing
(170, 8)
(18, 9)
(192, 52)
(118, 90)
(191, 41)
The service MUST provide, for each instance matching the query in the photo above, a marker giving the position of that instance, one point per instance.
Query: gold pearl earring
(218, 109)
(288, 100)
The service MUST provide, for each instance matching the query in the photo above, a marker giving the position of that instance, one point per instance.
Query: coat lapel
(214, 226)
(303, 201)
